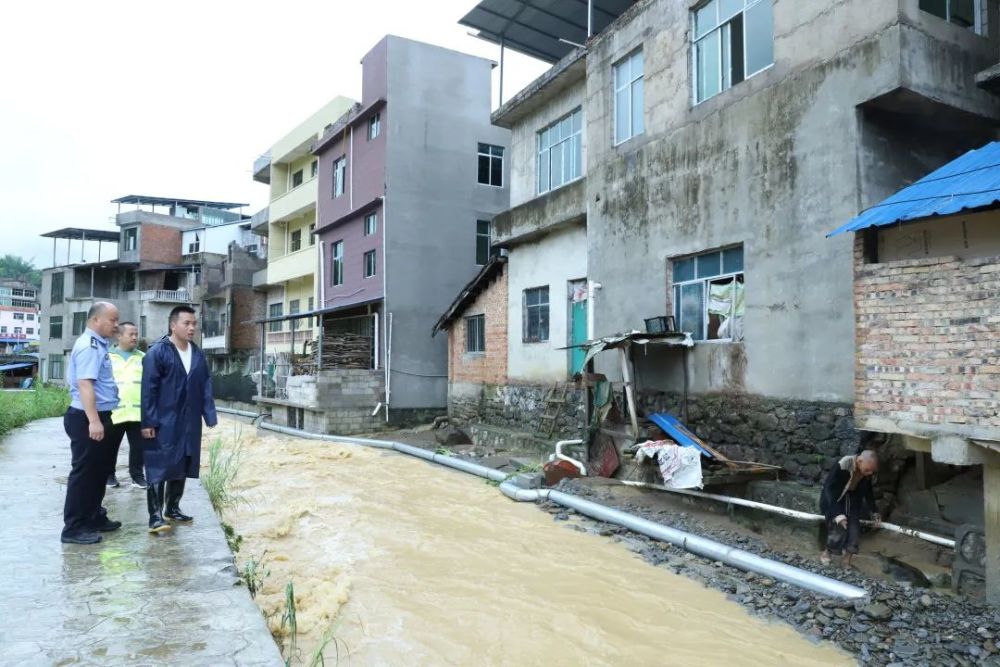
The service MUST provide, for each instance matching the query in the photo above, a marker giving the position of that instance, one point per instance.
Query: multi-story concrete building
(407, 180)
(20, 316)
(173, 252)
(289, 223)
(718, 143)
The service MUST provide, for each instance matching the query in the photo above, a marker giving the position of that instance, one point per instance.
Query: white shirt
(185, 357)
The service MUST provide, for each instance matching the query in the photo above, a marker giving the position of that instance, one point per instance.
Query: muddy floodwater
(408, 563)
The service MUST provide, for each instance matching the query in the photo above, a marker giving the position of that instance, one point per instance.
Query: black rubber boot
(154, 502)
(175, 489)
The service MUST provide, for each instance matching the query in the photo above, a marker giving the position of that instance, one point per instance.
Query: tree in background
(13, 267)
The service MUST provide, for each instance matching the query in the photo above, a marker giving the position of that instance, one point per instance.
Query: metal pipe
(239, 413)
(695, 544)
(794, 514)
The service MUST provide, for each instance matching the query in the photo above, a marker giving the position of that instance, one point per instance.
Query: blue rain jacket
(174, 403)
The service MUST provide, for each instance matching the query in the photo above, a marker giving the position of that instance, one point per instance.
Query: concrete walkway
(133, 599)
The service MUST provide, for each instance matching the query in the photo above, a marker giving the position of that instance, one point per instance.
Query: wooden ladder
(555, 406)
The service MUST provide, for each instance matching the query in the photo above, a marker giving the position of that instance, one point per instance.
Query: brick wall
(928, 340)
(248, 306)
(490, 367)
(159, 244)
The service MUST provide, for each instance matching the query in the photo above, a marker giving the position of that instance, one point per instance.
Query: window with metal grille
(296, 242)
(56, 368)
(475, 333)
(58, 281)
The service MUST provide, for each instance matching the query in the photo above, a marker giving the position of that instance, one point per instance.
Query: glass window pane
(759, 36)
(557, 164)
(732, 260)
(709, 265)
(543, 322)
(567, 161)
(496, 173)
(963, 13)
(484, 169)
(543, 172)
(566, 127)
(483, 227)
(728, 8)
(621, 115)
(706, 18)
(577, 120)
(693, 310)
(622, 73)
(707, 58)
(935, 7)
(638, 125)
(637, 65)
(577, 156)
(683, 269)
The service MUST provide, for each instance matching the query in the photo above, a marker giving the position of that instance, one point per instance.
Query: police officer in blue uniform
(87, 422)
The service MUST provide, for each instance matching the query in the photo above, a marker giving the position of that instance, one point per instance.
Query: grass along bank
(17, 408)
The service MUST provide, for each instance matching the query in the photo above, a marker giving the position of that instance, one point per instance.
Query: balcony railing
(174, 296)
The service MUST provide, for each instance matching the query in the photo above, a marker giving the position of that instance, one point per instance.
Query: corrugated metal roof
(971, 181)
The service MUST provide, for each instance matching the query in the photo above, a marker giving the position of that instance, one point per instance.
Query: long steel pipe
(696, 544)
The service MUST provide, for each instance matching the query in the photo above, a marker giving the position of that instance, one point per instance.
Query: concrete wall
(772, 163)
(552, 261)
(524, 140)
(438, 110)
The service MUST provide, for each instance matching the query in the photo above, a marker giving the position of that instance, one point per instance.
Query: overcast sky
(177, 99)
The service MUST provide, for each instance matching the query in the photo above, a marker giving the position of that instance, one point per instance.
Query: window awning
(543, 29)
(11, 367)
(970, 182)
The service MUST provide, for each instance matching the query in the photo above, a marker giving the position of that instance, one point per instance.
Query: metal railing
(179, 296)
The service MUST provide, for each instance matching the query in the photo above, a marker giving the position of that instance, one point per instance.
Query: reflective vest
(128, 377)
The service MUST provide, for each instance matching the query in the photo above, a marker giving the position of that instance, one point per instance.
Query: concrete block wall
(489, 367)
(928, 341)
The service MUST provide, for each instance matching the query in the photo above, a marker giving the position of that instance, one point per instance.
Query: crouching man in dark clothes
(848, 497)
(176, 396)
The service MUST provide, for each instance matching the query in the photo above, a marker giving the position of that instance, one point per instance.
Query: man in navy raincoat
(176, 396)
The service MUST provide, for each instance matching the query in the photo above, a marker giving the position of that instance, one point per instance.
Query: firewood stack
(346, 350)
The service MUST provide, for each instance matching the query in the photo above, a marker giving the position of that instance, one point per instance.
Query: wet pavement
(133, 599)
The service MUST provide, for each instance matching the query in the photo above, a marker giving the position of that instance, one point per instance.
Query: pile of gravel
(896, 625)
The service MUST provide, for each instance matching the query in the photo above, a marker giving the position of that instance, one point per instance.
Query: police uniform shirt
(90, 360)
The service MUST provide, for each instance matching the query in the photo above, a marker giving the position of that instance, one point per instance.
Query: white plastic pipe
(562, 457)
(238, 413)
(695, 544)
(794, 514)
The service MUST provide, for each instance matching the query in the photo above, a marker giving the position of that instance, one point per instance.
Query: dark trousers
(134, 433)
(88, 474)
(841, 540)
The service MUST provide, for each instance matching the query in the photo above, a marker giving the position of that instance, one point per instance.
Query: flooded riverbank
(409, 563)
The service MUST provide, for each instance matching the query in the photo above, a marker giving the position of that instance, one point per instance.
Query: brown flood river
(414, 564)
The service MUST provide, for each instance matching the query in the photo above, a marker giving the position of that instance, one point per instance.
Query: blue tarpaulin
(971, 181)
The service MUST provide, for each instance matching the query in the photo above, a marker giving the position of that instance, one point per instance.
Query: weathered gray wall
(773, 163)
(438, 110)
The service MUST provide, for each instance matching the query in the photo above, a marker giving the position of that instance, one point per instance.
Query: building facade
(718, 144)
(406, 176)
(20, 316)
(160, 259)
(289, 224)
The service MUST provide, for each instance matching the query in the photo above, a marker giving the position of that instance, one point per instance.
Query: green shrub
(17, 408)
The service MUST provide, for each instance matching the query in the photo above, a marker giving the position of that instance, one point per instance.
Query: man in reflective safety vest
(126, 363)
